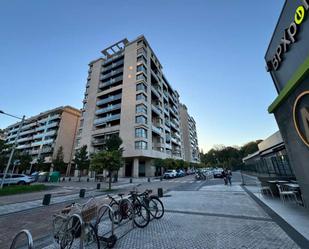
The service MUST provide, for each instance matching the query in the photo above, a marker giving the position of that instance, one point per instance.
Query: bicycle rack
(29, 239)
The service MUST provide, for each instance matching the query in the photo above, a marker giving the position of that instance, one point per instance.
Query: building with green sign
(287, 60)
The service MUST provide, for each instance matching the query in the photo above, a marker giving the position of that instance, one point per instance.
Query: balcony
(44, 150)
(156, 129)
(108, 109)
(24, 146)
(175, 140)
(168, 146)
(114, 57)
(50, 133)
(101, 121)
(113, 65)
(158, 147)
(114, 72)
(156, 90)
(174, 125)
(109, 99)
(166, 111)
(111, 81)
(20, 140)
(157, 109)
(25, 132)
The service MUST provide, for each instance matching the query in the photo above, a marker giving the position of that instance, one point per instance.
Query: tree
(24, 161)
(107, 160)
(110, 158)
(58, 162)
(81, 159)
(5, 150)
(41, 165)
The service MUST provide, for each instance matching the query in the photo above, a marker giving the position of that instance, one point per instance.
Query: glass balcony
(157, 109)
(20, 140)
(110, 82)
(156, 90)
(156, 129)
(109, 99)
(114, 72)
(113, 65)
(101, 121)
(108, 109)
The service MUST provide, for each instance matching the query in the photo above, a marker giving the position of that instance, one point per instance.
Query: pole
(242, 177)
(12, 151)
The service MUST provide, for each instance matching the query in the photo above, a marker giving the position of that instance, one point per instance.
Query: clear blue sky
(212, 52)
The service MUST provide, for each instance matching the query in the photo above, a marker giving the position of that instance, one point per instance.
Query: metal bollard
(63, 179)
(131, 180)
(98, 186)
(160, 192)
(82, 193)
(148, 179)
(69, 179)
(46, 199)
(87, 179)
(161, 178)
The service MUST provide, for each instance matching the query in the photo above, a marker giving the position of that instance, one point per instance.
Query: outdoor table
(273, 186)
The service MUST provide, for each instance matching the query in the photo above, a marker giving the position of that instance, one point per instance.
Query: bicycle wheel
(116, 213)
(141, 215)
(90, 237)
(156, 204)
(71, 234)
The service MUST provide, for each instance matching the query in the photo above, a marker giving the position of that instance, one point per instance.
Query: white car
(171, 173)
(19, 179)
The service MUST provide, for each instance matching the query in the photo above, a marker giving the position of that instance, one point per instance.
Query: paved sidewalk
(213, 217)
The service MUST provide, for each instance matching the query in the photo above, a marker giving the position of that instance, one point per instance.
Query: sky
(212, 53)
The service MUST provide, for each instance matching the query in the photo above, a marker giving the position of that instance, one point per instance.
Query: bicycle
(69, 229)
(126, 209)
(153, 203)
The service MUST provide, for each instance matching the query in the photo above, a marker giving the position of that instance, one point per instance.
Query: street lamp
(14, 145)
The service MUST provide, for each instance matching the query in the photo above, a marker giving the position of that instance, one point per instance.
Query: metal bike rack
(108, 207)
(29, 239)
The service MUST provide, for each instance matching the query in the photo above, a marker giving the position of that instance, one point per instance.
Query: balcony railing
(98, 141)
(155, 91)
(156, 129)
(113, 65)
(114, 72)
(25, 132)
(49, 141)
(108, 109)
(101, 121)
(110, 82)
(157, 109)
(20, 140)
(114, 57)
(109, 99)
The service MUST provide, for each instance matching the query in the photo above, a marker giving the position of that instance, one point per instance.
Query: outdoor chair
(286, 194)
(266, 190)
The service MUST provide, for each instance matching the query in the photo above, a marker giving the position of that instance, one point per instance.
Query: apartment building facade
(189, 136)
(128, 94)
(42, 135)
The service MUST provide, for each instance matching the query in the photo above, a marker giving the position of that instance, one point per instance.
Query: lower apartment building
(42, 135)
(128, 94)
(189, 136)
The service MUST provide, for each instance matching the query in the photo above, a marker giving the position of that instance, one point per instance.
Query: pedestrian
(224, 176)
(229, 177)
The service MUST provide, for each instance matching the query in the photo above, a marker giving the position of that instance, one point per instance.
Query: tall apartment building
(43, 134)
(189, 136)
(127, 94)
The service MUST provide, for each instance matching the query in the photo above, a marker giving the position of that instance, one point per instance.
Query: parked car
(19, 179)
(180, 173)
(217, 173)
(171, 173)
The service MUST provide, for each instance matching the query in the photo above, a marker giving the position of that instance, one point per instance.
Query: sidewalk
(212, 217)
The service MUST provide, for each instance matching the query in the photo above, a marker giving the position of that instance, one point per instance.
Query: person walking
(224, 175)
(229, 177)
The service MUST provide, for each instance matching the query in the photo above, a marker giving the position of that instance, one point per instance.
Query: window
(141, 132)
(141, 77)
(141, 87)
(140, 145)
(141, 120)
(141, 96)
(141, 109)
(141, 68)
(141, 58)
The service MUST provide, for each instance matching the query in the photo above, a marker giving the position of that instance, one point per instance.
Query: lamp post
(14, 145)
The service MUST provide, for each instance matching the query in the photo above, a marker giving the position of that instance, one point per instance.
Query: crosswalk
(183, 181)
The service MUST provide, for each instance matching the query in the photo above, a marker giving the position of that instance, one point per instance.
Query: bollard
(131, 180)
(87, 179)
(161, 178)
(148, 179)
(98, 186)
(82, 193)
(160, 192)
(46, 199)
(69, 179)
(63, 179)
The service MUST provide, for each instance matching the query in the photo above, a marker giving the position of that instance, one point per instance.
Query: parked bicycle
(153, 203)
(75, 226)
